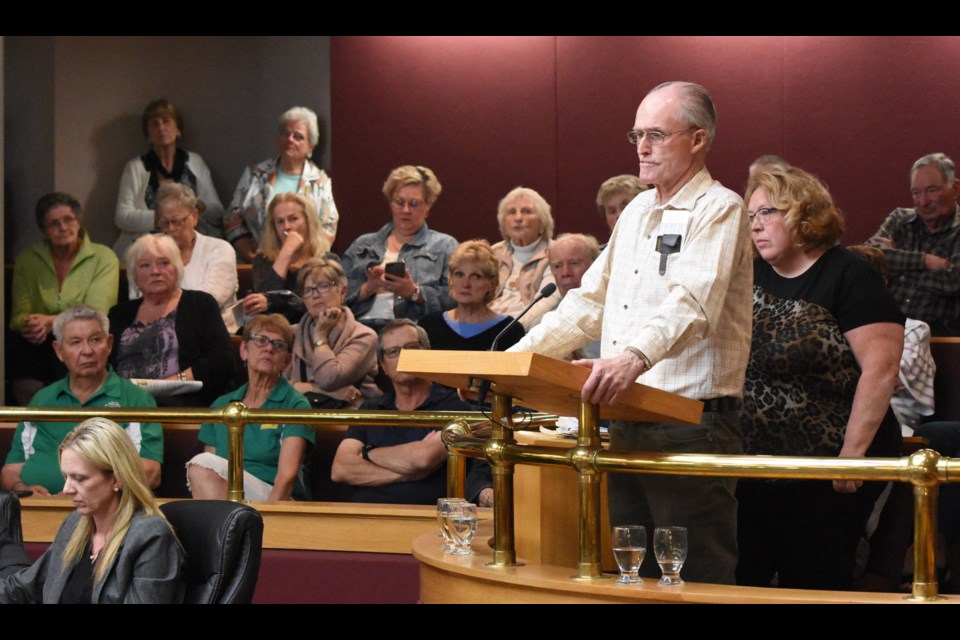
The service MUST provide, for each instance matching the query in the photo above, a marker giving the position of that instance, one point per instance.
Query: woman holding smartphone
(400, 271)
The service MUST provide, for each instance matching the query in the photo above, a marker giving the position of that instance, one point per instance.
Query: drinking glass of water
(670, 547)
(629, 547)
(445, 506)
(462, 522)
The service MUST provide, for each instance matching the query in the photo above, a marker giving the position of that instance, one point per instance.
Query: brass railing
(925, 469)
(235, 415)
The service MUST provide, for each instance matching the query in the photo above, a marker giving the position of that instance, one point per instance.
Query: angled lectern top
(545, 384)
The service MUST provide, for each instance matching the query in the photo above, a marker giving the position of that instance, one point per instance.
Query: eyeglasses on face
(763, 214)
(262, 341)
(317, 289)
(393, 352)
(654, 137)
(400, 203)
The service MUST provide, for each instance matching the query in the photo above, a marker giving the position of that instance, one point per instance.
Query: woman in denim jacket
(400, 271)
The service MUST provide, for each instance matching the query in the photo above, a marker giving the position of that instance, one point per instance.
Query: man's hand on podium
(610, 377)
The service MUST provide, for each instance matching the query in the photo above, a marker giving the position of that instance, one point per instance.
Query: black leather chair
(12, 556)
(223, 542)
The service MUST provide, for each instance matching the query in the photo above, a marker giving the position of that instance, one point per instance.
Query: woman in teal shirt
(272, 453)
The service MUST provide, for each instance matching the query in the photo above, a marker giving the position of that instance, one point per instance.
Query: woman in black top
(472, 325)
(825, 353)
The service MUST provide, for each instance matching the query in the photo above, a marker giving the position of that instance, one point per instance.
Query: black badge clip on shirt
(666, 244)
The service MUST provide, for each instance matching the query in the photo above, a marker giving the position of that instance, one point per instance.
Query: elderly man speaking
(670, 300)
(83, 343)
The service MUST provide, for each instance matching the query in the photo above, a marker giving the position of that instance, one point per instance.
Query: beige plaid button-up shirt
(693, 322)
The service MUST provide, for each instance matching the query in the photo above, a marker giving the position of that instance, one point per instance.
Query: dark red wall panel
(480, 112)
(490, 113)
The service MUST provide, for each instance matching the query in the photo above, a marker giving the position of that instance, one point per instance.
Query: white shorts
(253, 488)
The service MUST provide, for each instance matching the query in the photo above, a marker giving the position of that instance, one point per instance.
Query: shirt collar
(109, 388)
(914, 217)
(686, 198)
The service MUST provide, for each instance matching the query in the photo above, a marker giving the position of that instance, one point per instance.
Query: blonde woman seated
(116, 547)
(334, 356)
(472, 325)
(400, 271)
(272, 453)
(527, 228)
(291, 236)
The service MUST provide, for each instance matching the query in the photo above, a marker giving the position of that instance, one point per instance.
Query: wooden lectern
(553, 386)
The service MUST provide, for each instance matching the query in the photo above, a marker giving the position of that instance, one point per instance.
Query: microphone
(546, 292)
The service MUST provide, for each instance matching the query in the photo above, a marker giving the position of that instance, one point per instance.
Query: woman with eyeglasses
(472, 325)
(401, 270)
(59, 272)
(334, 359)
(272, 453)
(209, 264)
(824, 361)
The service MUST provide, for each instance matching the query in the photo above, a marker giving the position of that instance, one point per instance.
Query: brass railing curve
(924, 469)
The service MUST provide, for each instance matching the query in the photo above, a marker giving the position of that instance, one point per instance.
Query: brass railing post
(456, 475)
(926, 489)
(588, 486)
(504, 545)
(234, 417)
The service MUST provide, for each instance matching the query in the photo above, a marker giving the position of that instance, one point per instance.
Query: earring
(116, 489)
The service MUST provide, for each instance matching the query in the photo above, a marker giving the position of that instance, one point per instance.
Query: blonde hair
(480, 253)
(101, 443)
(329, 269)
(810, 216)
(413, 175)
(626, 184)
(314, 244)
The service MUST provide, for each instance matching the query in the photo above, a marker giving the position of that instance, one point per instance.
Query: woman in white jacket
(165, 162)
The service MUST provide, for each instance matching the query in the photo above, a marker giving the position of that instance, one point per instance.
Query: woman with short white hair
(292, 171)
(527, 229)
(170, 333)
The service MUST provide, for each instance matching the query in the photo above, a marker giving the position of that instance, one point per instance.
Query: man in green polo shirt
(83, 344)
